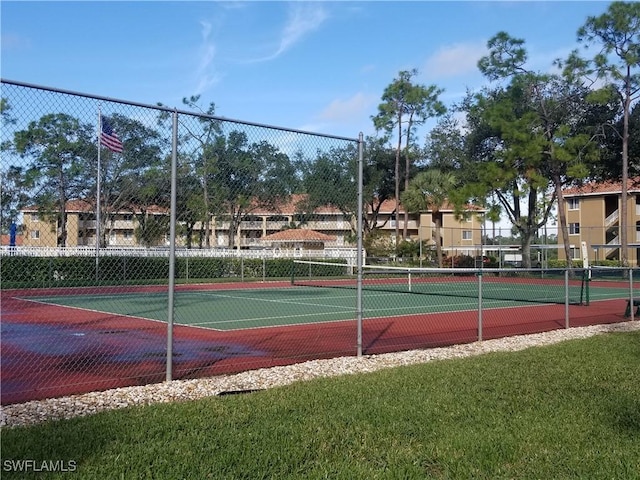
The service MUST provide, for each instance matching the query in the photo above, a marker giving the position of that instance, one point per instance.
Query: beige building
(457, 236)
(40, 231)
(593, 216)
(337, 229)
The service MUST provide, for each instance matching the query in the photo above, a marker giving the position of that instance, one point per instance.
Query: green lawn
(570, 410)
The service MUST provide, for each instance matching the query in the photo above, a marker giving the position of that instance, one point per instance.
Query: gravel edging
(34, 412)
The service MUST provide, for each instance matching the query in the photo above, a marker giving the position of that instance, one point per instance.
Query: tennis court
(62, 341)
(246, 308)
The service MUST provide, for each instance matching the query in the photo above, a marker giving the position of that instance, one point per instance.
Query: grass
(570, 410)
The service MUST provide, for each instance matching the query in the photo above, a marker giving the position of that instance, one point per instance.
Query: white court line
(290, 302)
(93, 310)
(427, 309)
(458, 306)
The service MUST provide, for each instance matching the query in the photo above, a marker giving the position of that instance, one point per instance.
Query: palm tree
(429, 190)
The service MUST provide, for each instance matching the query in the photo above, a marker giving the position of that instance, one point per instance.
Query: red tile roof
(290, 205)
(298, 235)
(600, 188)
(389, 206)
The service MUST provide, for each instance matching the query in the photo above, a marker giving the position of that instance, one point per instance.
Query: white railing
(612, 246)
(611, 219)
(330, 252)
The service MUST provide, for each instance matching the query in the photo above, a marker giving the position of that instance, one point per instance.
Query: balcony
(251, 242)
(251, 225)
(327, 225)
(122, 224)
(276, 225)
(391, 224)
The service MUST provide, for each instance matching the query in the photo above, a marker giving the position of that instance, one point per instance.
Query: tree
(245, 177)
(536, 118)
(611, 146)
(618, 33)
(197, 145)
(13, 195)
(445, 146)
(124, 175)
(378, 182)
(511, 172)
(430, 190)
(330, 180)
(60, 149)
(190, 208)
(405, 106)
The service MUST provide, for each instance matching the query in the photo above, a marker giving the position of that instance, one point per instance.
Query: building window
(35, 217)
(574, 228)
(467, 234)
(575, 253)
(35, 234)
(573, 203)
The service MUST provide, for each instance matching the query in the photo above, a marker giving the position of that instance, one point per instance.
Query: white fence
(349, 254)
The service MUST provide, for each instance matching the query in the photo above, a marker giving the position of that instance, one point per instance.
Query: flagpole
(98, 195)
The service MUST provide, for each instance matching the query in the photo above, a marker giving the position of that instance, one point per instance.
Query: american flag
(108, 138)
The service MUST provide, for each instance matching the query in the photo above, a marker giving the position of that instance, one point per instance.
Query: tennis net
(521, 285)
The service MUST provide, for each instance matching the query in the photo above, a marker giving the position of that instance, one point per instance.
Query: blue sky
(315, 66)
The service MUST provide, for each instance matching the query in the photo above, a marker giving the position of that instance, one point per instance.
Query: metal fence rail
(327, 252)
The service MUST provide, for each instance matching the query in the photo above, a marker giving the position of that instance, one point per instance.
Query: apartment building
(593, 216)
(256, 228)
(39, 230)
(457, 236)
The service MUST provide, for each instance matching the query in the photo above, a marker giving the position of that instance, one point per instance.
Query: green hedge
(578, 263)
(38, 272)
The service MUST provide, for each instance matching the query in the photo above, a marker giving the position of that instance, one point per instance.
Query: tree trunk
(624, 242)
(397, 179)
(62, 224)
(562, 220)
(438, 223)
(207, 225)
(406, 176)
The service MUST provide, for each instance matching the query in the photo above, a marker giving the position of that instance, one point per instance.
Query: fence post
(480, 306)
(359, 247)
(566, 298)
(632, 306)
(172, 246)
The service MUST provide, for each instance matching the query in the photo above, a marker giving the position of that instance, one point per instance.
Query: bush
(38, 272)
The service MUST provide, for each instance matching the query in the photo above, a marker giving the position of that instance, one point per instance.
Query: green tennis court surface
(235, 309)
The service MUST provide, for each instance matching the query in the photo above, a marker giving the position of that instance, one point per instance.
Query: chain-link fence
(143, 243)
(98, 197)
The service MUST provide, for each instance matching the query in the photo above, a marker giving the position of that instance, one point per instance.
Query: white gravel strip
(34, 412)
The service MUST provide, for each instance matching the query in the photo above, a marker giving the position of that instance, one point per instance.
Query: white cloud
(345, 110)
(543, 60)
(205, 73)
(454, 60)
(10, 41)
(304, 18)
